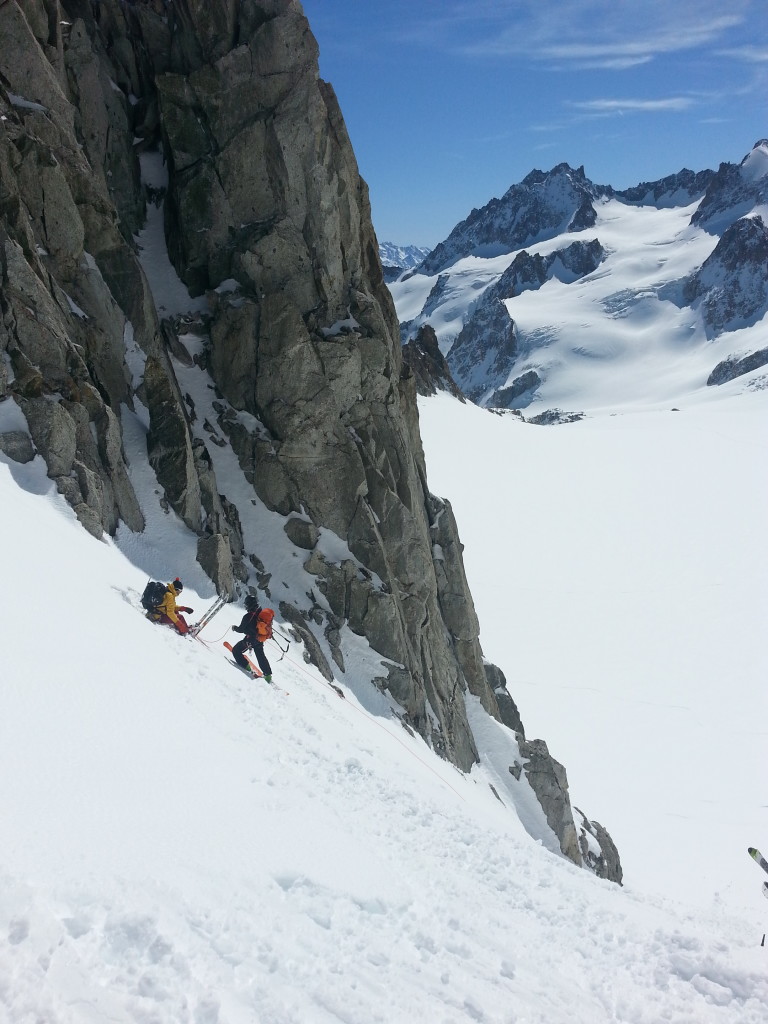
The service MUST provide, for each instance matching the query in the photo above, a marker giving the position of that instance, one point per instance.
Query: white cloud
(750, 54)
(620, 106)
(609, 63)
(583, 33)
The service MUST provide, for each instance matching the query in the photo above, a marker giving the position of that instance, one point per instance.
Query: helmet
(178, 584)
(251, 604)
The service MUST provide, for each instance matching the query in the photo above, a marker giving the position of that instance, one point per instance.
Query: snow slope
(182, 844)
(619, 568)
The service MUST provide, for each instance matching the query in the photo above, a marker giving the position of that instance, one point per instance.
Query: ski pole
(283, 650)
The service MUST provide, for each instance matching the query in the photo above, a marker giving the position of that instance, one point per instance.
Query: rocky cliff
(200, 133)
(731, 286)
(735, 190)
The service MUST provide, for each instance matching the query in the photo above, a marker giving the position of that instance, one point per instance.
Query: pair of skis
(215, 608)
(759, 859)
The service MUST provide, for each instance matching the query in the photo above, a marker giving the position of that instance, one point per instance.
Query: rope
(370, 718)
(215, 641)
(360, 710)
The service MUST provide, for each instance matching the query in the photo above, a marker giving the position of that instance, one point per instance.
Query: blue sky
(449, 102)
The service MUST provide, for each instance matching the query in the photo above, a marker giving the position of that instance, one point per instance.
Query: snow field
(182, 844)
(613, 339)
(619, 567)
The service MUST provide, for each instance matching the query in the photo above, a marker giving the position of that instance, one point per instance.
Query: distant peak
(754, 166)
(536, 177)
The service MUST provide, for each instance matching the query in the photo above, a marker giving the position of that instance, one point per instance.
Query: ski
(246, 671)
(213, 610)
(255, 670)
(758, 857)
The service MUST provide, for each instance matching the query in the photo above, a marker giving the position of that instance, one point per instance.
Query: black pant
(258, 649)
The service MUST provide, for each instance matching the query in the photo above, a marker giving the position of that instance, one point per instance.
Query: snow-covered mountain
(542, 206)
(397, 258)
(565, 293)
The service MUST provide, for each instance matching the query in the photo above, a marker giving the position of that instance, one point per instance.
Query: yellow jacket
(168, 605)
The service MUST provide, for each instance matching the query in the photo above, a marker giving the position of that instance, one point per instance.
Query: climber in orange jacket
(167, 612)
(257, 626)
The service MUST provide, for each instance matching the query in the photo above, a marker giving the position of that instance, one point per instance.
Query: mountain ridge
(476, 287)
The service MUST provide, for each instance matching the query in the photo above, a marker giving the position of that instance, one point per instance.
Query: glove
(187, 610)
(237, 629)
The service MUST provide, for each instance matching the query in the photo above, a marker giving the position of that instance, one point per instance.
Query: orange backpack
(264, 624)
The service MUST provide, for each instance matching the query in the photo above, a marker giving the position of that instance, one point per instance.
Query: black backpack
(152, 596)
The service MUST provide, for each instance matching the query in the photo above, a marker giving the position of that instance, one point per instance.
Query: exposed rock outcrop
(678, 189)
(17, 445)
(550, 784)
(732, 285)
(422, 356)
(598, 850)
(485, 350)
(521, 387)
(736, 366)
(734, 190)
(510, 715)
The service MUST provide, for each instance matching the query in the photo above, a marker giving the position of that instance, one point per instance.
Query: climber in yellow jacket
(167, 612)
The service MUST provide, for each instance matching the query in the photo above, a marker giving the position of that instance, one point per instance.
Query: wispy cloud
(583, 33)
(750, 54)
(616, 106)
(606, 64)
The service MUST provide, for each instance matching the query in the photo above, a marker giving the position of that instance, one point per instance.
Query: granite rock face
(263, 192)
(61, 329)
(598, 850)
(422, 356)
(549, 782)
(521, 387)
